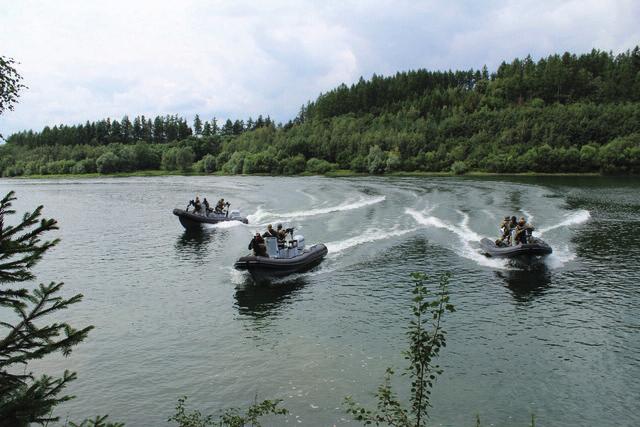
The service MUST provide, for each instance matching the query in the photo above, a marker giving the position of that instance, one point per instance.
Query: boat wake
(224, 224)
(575, 218)
(559, 257)
(465, 235)
(260, 216)
(370, 235)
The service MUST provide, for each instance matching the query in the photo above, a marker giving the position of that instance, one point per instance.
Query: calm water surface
(561, 340)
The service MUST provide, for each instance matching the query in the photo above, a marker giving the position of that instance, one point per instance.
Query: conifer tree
(206, 129)
(197, 125)
(27, 336)
(215, 129)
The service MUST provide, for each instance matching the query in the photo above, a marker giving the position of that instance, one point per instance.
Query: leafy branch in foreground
(98, 421)
(10, 84)
(23, 398)
(232, 417)
(426, 338)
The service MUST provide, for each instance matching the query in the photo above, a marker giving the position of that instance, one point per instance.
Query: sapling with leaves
(231, 417)
(28, 335)
(426, 338)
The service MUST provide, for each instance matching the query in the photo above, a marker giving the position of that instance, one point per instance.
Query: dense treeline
(563, 113)
(157, 131)
(595, 77)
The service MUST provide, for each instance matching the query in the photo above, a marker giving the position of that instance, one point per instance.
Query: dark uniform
(506, 231)
(220, 206)
(258, 246)
(282, 234)
(523, 231)
(197, 206)
(270, 232)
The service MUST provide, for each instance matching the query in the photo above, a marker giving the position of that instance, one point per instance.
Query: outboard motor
(300, 242)
(234, 213)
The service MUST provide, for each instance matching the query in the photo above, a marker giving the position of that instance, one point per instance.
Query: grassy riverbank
(341, 173)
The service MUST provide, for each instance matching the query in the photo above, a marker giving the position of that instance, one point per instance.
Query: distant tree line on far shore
(563, 113)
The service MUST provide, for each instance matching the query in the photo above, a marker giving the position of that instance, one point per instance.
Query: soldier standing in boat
(258, 245)
(270, 232)
(523, 231)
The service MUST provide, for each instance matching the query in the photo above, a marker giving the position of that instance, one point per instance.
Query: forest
(561, 114)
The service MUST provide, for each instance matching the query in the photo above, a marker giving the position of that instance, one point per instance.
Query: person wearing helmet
(220, 206)
(270, 232)
(282, 233)
(258, 245)
(523, 231)
(505, 227)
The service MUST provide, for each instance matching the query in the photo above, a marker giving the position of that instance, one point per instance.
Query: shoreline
(341, 173)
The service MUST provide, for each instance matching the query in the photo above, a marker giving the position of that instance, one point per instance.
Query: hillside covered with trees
(563, 113)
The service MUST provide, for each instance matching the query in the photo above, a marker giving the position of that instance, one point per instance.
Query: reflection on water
(197, 242)
(527, 281)
(264, 299)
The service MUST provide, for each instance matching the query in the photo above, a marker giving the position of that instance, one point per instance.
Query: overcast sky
(86, 60)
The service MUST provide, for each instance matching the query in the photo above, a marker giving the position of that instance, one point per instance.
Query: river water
(560, 339)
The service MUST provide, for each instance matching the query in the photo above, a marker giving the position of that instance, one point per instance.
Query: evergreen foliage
(563, 113)
(25, 399)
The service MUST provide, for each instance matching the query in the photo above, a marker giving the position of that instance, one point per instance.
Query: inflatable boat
(192, 220)
(535, 248)
(282, 259)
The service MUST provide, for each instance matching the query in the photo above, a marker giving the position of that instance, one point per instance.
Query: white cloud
(87, 60)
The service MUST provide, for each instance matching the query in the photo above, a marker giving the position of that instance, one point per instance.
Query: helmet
(513, 218)
(279, 226)
(269, 226)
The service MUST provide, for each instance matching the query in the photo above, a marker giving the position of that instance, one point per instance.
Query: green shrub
(293, 165)
(459, 168)
(209, 163)
(108, 163)
(319, 166)
(376, 160)
(184, 158)
(169, 159)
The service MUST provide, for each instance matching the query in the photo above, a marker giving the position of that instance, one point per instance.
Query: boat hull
(537, 249)
(263, 268)
(191, 221)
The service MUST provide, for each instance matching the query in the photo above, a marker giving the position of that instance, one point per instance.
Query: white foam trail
(309, 195)
(560, 257)
(225, 224)
(261, 215)
(575, 218)
(256, 217)
(465, 235)
(238, 277)
(464, 225)
(527, 216)
(371, 235)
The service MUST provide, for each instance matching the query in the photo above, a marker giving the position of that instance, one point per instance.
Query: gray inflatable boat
(282, 260)
(535, 248)
(193, 220)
